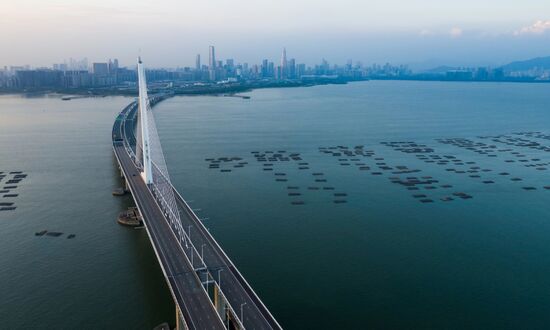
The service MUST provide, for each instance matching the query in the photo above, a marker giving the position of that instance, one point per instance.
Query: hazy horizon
(420, 33)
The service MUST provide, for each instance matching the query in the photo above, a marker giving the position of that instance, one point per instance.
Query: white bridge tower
(143, 129)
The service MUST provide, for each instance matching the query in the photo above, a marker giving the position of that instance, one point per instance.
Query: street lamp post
(188, 236)
(219, 279)
(242, 320)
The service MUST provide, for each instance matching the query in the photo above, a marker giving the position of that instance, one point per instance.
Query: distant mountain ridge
(539, 62)
(440, 69)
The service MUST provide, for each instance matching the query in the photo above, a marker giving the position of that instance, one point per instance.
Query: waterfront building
(113, 66)
(42, 78)
(100, 69)
(300, 70)
(77, 79)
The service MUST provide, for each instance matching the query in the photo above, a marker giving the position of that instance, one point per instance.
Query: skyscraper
(212, 63)
(284, 66)
(271, 69)
(212, 58)
(291, 68)
(198, 62)
(265, 69)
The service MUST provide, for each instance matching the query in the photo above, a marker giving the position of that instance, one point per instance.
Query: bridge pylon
(143, 131)
(166, 216)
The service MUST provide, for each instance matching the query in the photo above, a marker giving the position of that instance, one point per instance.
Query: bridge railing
(159, 189)
(186, 243)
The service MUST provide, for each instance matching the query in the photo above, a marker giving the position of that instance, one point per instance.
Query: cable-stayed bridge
(208, 290)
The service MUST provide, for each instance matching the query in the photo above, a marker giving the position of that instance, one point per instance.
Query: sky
(169, 33)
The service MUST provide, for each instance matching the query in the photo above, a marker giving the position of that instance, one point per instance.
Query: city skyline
(417, 33)
(81, 74)
(86, 64)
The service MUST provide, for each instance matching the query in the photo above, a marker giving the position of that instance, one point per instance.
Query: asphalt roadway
(175, 259)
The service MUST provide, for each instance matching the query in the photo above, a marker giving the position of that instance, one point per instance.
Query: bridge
(208, 290)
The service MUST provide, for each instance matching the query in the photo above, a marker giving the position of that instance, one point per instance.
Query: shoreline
(220, 90)
(231, 89)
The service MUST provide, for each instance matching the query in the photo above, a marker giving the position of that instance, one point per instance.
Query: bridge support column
(126, 187)
(219, 302)
(180, 324)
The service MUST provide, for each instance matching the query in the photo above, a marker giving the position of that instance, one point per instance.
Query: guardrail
(183, 237)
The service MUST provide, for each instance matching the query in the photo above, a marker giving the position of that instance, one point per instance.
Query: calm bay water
(107, 276)
(381, 260)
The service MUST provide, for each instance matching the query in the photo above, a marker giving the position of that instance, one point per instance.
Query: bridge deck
(186, 288)
(233, 285)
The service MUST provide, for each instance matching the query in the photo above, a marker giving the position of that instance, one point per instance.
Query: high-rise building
(255, 70)
(60, 66)
(284, 66)
(278, 73)
(100, 69)
(292, 68)
(212, 63)
(212, 58)
(271, 69)
(198, 62)
(349, 65)
(300, 70)
(78, 64)
(265, 69)
(113, 66)
(38, 78)
(230, 63)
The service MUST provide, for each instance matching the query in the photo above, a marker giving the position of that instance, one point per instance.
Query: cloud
(539, 27)
(456, 32)
(426, 32)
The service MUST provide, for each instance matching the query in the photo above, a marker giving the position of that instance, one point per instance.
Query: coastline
(213, 89)
(232, 88)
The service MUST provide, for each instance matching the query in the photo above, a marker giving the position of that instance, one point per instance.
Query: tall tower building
(198, 62)
(291, 69)
(265, 69)
(284, 65)
(212, 58)
(212, 64)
